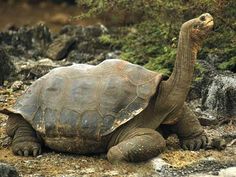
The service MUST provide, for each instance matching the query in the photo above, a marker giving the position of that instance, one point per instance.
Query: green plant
(105, 39)
(157, 24)
(229, 65)
(163, 63)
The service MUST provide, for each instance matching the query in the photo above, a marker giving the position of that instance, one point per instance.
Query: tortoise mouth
(208, 26)
(210, 23)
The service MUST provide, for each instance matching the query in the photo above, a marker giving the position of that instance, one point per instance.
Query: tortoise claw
(26, 148)
(35, 152)
(195, 144)
(26, 153)
(19, 153)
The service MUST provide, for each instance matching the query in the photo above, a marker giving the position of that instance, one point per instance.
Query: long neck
(174, 91)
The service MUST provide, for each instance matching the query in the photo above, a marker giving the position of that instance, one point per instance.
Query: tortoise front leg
(25, 140)
(189, 130)
(138, 145)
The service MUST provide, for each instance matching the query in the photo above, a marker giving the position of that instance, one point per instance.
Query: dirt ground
(58, 164)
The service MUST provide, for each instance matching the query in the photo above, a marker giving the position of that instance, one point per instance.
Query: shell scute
(82, 94)
(90, 124)
(68, 123)
(50, 122)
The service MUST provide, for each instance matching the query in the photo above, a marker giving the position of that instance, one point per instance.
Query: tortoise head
(199, 27)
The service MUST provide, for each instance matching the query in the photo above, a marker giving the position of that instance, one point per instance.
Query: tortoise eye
(202, 18)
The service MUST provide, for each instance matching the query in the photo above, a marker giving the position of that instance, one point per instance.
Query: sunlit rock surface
(220, 99)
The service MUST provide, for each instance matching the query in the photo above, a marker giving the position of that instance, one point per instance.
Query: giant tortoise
(114, 107)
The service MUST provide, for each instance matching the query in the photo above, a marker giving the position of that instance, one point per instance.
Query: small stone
(198, 110)
(229, 136)
(39, 156)
(158, 164)
(3, 98)
(207, 120)
(58, 49)
(218, 143)
(17, 85)
(6, 66)
(215, 173)
(228, 172)
(46, 62)
(8, 170)
(113, 55)
(6, 141)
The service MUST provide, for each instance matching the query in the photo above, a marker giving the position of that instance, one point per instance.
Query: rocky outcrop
(58, 49)
(30, 52)
(30, 42)
(88, 47)
(6, 66)
(215, 92)
(220, 97)
(8, 171)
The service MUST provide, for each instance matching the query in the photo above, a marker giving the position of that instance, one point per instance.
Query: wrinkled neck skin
(173, 92)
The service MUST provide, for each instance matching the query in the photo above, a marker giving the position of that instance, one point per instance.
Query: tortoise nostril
(203, 18)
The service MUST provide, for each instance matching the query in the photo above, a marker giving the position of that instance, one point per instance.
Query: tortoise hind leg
(138, 145)
(25, 140)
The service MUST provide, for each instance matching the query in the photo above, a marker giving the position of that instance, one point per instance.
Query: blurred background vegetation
(147, 30)
(154, 26)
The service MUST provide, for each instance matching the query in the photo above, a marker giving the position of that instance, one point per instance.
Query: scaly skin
(25, 140)
(137, 145)
(188, 130)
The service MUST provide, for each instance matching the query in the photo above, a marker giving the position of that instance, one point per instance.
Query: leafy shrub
(151, 40)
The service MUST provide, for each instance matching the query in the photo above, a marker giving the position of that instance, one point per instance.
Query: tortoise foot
(26, 142)
(26, 148)
(194, 144)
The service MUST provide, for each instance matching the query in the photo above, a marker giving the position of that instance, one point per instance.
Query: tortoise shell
(86, 100)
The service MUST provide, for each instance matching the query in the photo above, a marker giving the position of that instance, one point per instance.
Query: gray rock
(88, 47)
(228, 172)
(158, 164)
(59, 48)
(214, 60)
(6, 141)
(200, 85)
(78, 57)
(17, 85)
(25, 46)
(8, 171)
(201, 175)
(83, 33)
(30, 69)
(218, 143)
(207, 120)
(220, 98)
(6, 66)
(95, 31)
(229, 136)
(113, 55)
(30, 41)
(3, 98)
